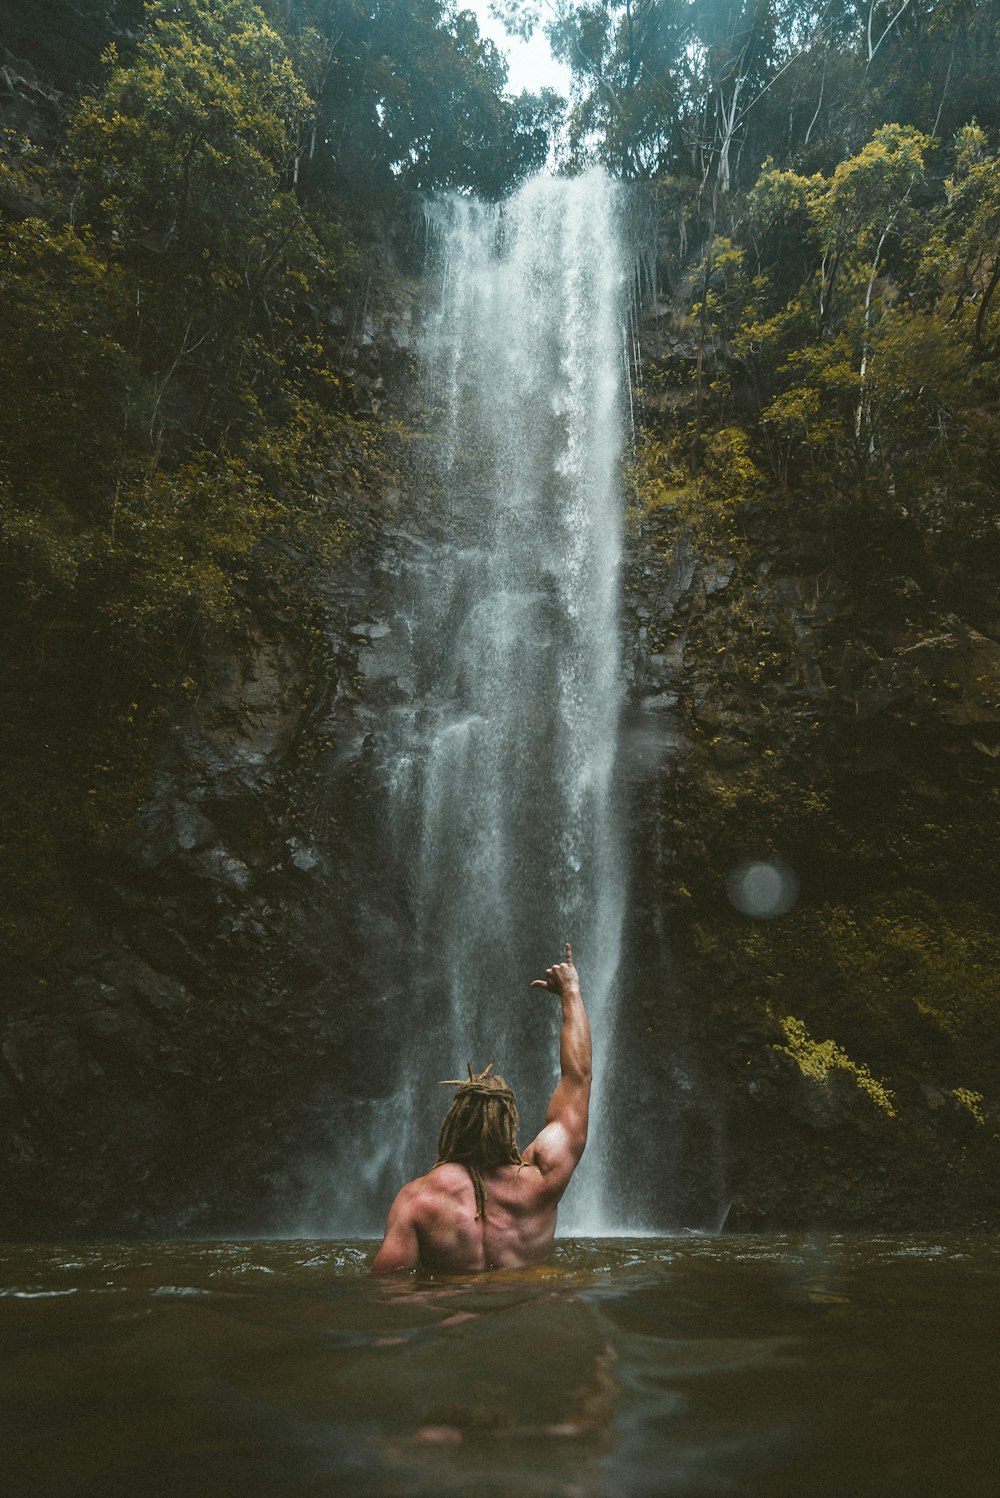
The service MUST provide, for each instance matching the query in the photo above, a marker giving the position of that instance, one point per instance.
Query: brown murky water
(669, 1366)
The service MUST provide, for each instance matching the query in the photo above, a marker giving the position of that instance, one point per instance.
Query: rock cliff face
(187, 1063)
(758, 1130)
(831, 1060)
(200, 1056)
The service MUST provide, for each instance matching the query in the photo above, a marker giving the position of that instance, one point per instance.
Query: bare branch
(871, 12)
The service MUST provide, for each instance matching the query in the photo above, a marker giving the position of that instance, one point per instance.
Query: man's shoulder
(443, 1180)
(554, 1154)
(449, 1179)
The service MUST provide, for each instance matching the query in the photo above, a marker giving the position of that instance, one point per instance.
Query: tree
(171, 389)
(185, 162)
(410, 97)
(964, 258)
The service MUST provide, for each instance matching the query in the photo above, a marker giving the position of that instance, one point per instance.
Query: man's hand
(562, 978)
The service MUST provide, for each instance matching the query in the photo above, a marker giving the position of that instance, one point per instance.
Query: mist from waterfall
(499, 773)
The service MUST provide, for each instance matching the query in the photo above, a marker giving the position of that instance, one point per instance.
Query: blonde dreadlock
(479, 1130)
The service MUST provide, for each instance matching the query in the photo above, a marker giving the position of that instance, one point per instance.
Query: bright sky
(530, 64)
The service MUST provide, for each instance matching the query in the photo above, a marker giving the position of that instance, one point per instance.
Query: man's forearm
(575, 1052)
(564, 1138)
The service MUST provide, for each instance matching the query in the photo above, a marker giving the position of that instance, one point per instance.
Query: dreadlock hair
(479, 1130)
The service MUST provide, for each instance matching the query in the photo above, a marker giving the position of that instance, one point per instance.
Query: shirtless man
(485, 1205)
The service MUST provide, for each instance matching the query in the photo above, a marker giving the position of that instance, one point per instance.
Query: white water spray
(501, 777)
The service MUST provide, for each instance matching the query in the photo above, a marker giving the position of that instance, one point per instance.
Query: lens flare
(763, 889)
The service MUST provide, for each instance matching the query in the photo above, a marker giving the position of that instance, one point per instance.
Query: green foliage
(713, 90)
(812, 419)
(192, 135)
(410, 97)
(962, 261)
(185, 162)
(906, 975)
(834, 292)
(711, 502)
(971, 1101)
(835, 687)
(869, 192)
(817, 1058)
(782, 233)
(175, 451)
(61, 367)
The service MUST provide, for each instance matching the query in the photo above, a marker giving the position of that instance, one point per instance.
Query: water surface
(773, 1366)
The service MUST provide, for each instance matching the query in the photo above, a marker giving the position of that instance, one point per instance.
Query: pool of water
(835, 1365)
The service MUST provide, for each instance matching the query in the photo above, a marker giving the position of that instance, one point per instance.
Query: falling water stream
(499, 773)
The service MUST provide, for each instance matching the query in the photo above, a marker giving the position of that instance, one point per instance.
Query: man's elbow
(394, 1261)
(390, 1268)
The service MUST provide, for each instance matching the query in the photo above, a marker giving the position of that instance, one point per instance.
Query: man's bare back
(433, 1222)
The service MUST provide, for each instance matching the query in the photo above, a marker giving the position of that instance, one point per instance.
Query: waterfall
(499, 772)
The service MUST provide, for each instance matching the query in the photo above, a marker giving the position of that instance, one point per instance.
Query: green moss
(817, 1058)
(972, 1101)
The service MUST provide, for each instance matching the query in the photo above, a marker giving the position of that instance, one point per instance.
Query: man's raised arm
(558, 1147)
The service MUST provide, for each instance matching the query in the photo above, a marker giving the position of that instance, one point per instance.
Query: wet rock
(715, 576)
(727, 751)
(975, 664)
(219, 866)
(375, 629)
(658, 702)
(303, 857)
(192, 829)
